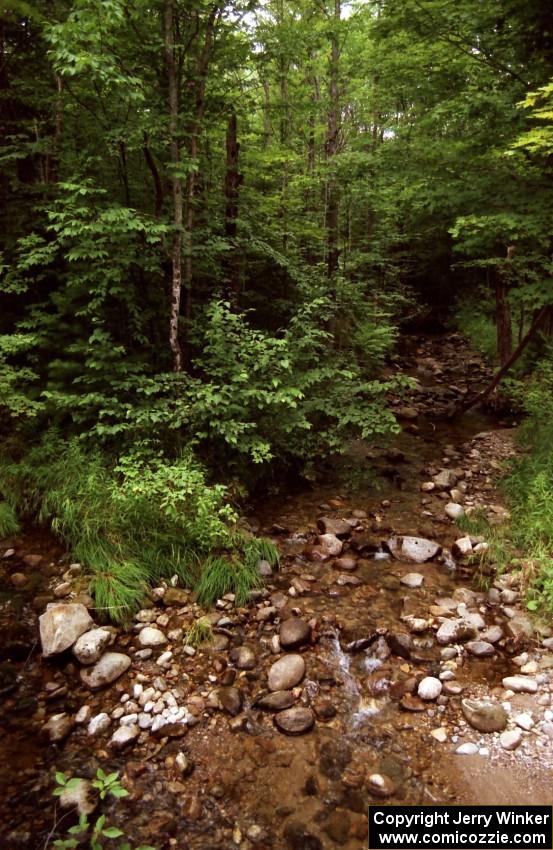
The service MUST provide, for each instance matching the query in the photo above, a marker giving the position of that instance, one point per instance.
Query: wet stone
(338, 826)
(416, 549)
(337, 527)
(429, 688)
(346, 562)
(110, 667)
(286, 673)
(334, 758)
(412, 580)
(230, 700)
(58, 727)
(484, 715)
(467, 749)
(400, 643)
(455, 631)
(295, 721)
(480, 648)
(276, 701)
(243, 657)
(511, 739)
(124, 736)
(294, 632)
(380, 785)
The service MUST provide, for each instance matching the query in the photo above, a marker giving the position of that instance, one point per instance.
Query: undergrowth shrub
(475, 318)
(136, 521)
(8, 520)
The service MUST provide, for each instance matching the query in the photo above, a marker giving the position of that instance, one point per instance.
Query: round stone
(480, 648)
(243, 657)
(429, 688)
(106, 670)
(380, 785)
(295, 721)
(276, 701)
(511, 739)
(520, 684)
(150, 636)
(294, 632)
(286, 673)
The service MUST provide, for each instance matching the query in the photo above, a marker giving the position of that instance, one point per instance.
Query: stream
(230, 778)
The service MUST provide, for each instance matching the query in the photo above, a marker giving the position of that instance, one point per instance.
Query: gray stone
(150, 636)
(243, 657)
(511, 739)
(454, 511)
(294, 632)
(264, 569)
(446, 479)
(492, 634)
(90, 645)
(480, 648)
(106, 670)
(286, 673)
(295, 721)
(61, 625)
(462, 547)
(484, 715)
(467, 749)
(416, 549)
(338, 527)
(124, 736)
(276, 701)
(98, 724)
(229, 700)
(520, 684)
(455, 631)
(330, 544)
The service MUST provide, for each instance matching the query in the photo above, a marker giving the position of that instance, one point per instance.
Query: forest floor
(355, 627)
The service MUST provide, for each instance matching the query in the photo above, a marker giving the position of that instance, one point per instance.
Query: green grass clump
(199, 633)
(135, 521)
(8, 520)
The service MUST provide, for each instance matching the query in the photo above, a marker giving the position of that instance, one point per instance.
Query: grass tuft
(8, 520)
(199, 633)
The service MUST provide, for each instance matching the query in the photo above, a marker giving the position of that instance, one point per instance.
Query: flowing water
(307, 792)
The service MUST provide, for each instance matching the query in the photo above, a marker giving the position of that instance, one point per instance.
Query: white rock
(511, 739)
(462, 547)
(123, 736)
(440, 734)
(429, 688)
(454, 511)
(90, 645)
(150, 636)
(81, 795)
(524, 720)
(106, 670)
(129, 719)
(83, 714)
(416, 549)
(520, 684)
(412, 579)
(164, 659)
(98, 724)
(467, 750)
(61, 625)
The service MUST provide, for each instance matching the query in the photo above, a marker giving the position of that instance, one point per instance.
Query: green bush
(133, 522)
(475, 318)
(8, 520)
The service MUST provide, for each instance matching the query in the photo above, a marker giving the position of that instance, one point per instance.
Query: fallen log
(479, 397)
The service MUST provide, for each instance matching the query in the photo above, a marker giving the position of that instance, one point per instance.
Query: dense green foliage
(214, 216)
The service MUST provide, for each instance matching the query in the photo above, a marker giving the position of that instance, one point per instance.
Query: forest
(234, 235)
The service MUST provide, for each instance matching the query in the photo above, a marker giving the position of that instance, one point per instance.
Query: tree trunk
(503, 320)
(331, 148)
(176, 186)
(233, 180)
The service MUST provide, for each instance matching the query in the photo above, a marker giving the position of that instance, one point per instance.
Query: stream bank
(377, 650)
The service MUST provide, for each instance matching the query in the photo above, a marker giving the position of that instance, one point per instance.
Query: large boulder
(106, 670)
(61, 625)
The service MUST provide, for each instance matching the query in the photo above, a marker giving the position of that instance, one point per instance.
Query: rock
(294, 632)
(83, 714)
(264, 568)
(90, 645)
(99, 724)
(467, 749)
(480, 648)
(412, 579)
(346, 562)
(176, 596)
(338, 826)
(337, 527)
(150, 636)
(462, 547)
(61, 625)
(230, 700)
(58, 727)
(429, 688)
(455, 631)
(439, 734)
(400, 643)
(454, 511)
(294, 721)
(330, 544)
(525, 721)
(428, 486)
(243, 657)
(446, 479)
(106, 670)
(298, 837)
(276, 701)
(18, 579)
(416, 549)
(407, 412)
(520, 684)
(484, 715)
(81, 795)
(492, 634)
(124, 736)
(380, 785)
(63, 589)
(511, 739)
(286, 673)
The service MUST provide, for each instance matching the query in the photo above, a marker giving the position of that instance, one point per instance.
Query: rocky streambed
(379, 663)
